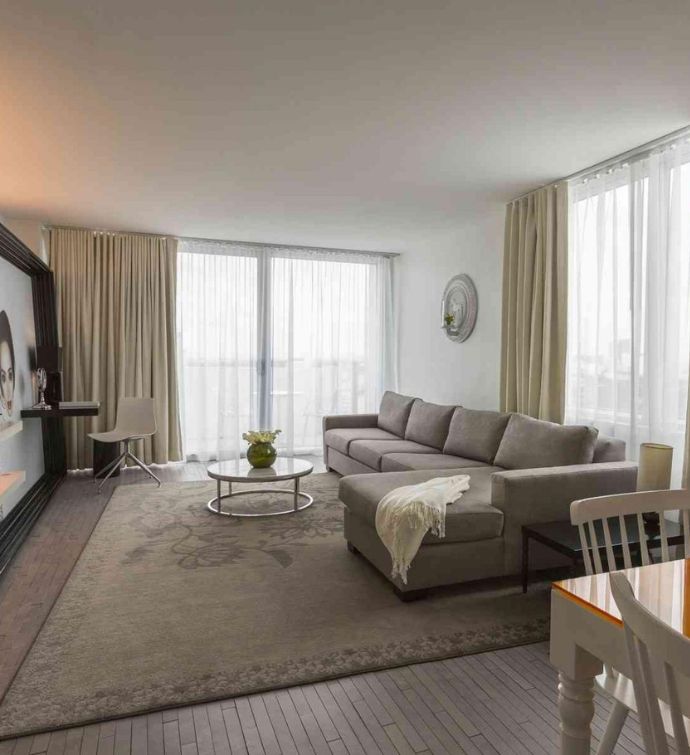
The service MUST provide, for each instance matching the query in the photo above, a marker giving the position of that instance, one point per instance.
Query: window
(275, 337)
(629, 301)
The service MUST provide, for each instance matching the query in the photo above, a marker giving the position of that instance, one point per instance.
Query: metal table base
(215, 504)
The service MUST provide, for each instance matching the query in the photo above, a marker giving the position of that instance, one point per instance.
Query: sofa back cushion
(529, 443)
(428, 423)
(609, 449)
(394, 412)
(475, 434)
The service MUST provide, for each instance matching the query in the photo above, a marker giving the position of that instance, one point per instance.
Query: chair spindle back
(594, 515)
(653, 644)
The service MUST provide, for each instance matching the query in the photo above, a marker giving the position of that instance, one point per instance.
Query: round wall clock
(459, 309)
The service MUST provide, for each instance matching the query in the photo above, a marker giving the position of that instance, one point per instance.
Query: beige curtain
(116, 318)
(533, 344)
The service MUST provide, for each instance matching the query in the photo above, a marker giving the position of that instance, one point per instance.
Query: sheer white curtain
(629, 301)
(217, 347)
(279, 337)
(331, 325)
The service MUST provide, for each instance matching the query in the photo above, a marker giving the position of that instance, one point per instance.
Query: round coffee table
(242, 471)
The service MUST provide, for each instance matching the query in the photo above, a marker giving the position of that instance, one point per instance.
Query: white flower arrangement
(260, 436)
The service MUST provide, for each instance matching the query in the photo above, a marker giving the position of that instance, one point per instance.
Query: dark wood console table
(77, 411)
(52, 428)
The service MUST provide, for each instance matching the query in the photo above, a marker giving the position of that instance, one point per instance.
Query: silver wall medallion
(459, 309)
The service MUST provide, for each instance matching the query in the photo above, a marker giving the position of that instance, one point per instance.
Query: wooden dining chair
(653, 644)
(595, 518)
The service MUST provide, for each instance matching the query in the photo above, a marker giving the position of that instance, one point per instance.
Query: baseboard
(18, 523)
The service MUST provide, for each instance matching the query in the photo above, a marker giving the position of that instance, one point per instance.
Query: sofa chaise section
(472, 548)
(483, 528)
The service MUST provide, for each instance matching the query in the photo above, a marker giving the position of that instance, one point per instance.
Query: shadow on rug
(171, 605)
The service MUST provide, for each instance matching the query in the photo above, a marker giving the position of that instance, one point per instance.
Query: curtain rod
(288, 246)
(325, 249)
(57, 227)
(641, 151)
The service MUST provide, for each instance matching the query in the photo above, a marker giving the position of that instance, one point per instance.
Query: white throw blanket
(406, 514)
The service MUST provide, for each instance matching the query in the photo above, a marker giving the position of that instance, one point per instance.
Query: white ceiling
(357, 123)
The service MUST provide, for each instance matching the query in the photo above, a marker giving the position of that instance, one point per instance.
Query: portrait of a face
(7, 368)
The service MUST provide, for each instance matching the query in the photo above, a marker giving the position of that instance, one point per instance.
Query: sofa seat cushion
(394, 412)
(470, 518)
(428, 423)
(341, 437)
(370, 452)
(475, 434)
(402, 462)
(530, 443)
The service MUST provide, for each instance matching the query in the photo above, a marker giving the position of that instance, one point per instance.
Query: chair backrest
(136, 417)
(592, 515)
(652, 644)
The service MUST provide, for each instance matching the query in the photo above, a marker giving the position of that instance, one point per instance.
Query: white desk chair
(591, 515)
(135, 420)
(653, 644)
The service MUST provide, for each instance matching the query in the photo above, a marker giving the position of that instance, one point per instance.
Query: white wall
(432, 366)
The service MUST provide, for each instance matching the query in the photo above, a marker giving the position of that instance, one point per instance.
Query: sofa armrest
(333, 421)
(543, 495)
(350, 420)
(534, 496)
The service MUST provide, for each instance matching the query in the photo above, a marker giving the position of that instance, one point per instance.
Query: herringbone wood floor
(499, 702)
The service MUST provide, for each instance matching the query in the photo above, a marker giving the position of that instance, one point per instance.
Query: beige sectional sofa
(522, 471)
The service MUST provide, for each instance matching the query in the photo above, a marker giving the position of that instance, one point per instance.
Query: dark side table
(564, 538)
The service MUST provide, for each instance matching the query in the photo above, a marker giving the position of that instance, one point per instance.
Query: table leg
(218, 494)
(296, 504)
(525, 560)
(576, 708)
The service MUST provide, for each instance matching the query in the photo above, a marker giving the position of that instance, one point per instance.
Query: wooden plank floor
(500, 702)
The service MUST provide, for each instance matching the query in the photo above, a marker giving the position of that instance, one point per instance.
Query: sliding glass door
(275, 337)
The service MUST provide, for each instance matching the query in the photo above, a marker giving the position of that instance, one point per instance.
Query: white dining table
(587, 632)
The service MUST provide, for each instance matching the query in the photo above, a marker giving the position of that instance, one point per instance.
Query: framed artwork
(31, 451)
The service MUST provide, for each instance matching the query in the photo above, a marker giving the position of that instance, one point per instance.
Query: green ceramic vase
(261, 455)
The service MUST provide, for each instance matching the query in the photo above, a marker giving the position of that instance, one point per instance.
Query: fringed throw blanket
(406, 514)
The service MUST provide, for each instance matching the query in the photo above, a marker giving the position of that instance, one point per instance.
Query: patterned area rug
(170, 605)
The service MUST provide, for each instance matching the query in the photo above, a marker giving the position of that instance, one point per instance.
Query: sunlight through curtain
(272, 337)
(629, 301)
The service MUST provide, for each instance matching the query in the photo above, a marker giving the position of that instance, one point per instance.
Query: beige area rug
(170, 605)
